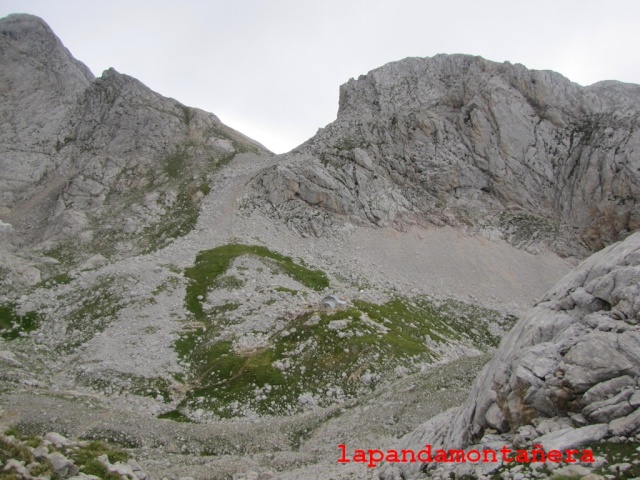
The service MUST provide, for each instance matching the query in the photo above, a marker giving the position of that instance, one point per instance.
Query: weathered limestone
(571, 438)
(103, 164)
(569, 368)
(460, 140)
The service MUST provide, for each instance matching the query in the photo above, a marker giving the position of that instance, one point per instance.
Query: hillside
(95, 167)
(162, 276)
(490, 148)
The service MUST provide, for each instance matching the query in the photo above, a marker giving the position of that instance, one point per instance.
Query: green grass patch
(227, 282)
(85, 456)
(287, 290)
(344, 354)
(176, 416)
(212, 264)
(18, 451)
(224, 308)
(65, 253)
(61, 278)
(86, 459)
(205, 188)
(618, 453)
(123, 383)
(226, 381)
(614, 453)
(55, 280)
(14, 325)
(411, 321)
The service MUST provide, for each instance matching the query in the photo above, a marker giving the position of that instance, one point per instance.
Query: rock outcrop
(56, 456)
(459, 140)
(572, 362)
(100, 165)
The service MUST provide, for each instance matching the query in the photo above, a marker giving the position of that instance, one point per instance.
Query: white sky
(272, 68)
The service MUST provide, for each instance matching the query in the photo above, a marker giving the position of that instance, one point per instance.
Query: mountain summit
(97, 165)
(495, 148)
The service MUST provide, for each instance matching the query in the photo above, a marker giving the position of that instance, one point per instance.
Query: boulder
(572, 438)
(16, 466)
(627, 425)
(62, 466)
(57, 439)
(609, 409)
(571, 471)
(555, 363)
(607, 389)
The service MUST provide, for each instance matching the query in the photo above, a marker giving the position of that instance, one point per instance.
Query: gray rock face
(569, 438)
(460, 140)
(578, 360)
(40, 84)
(104, 164)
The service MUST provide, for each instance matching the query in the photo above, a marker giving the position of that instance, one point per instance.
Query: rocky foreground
(565, 377)
(57, 457)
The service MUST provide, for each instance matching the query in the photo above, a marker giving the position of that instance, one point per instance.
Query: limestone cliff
(97, 165)
(454, 139)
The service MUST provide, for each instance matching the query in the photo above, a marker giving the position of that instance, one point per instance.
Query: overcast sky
(272, 68)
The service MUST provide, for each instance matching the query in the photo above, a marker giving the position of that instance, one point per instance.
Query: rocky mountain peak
(30, 33)
(30, 36)
(489, 147)
(443, 81)
(80, 153)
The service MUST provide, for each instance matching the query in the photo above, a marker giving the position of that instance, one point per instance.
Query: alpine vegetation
(444, 282)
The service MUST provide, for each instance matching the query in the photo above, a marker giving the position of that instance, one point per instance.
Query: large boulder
(574, 356)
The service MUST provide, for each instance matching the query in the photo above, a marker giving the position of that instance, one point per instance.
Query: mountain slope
(97, 166)
(162, 289)
(460, 140)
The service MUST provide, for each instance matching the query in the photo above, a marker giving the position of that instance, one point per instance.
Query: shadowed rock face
(104, 163)
(464, 141)
(576, 355)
